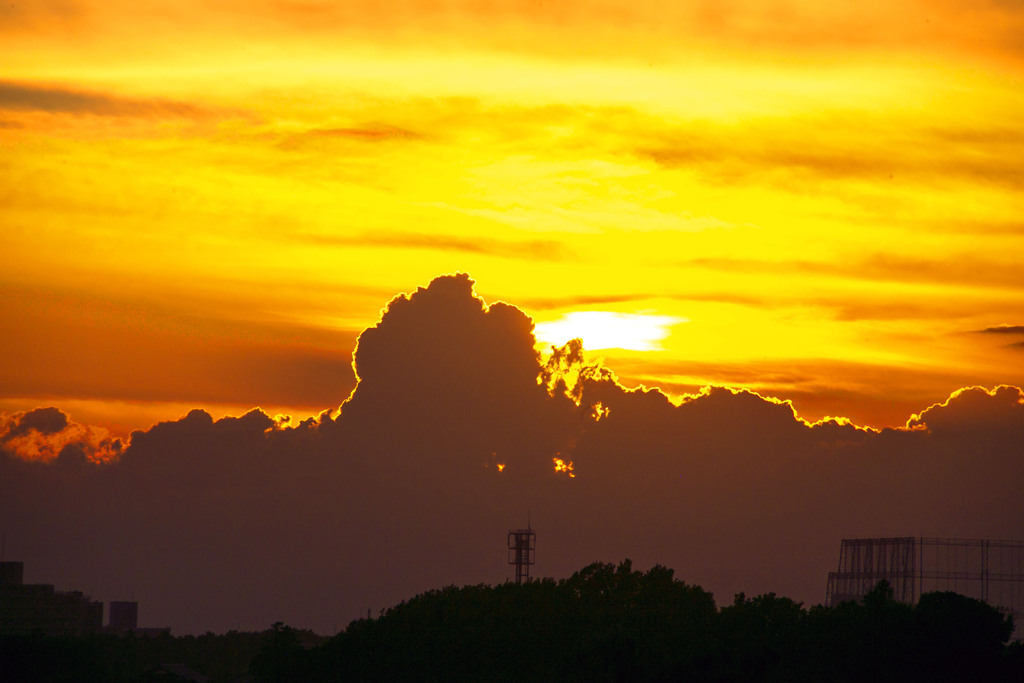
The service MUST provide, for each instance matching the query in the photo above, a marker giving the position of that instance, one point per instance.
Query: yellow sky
(204, 203)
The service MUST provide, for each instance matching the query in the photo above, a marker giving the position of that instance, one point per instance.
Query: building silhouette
(38, 608)
(123, 615)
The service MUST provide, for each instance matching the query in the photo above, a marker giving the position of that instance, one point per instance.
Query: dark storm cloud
(240, 522)
(55, 99)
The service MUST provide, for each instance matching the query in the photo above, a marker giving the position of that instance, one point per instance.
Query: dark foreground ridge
(605, 623)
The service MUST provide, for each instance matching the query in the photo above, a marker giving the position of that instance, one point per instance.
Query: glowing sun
(608, 330)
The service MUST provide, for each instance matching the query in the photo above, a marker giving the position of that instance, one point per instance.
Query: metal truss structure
(988, 570)
(522, 546)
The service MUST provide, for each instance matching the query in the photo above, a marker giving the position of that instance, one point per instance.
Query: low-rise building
(39, 608)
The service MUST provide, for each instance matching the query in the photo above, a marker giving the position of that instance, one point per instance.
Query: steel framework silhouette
(988, 570)
(522, 545)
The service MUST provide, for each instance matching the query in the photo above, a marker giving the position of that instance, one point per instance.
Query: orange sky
(203, 204)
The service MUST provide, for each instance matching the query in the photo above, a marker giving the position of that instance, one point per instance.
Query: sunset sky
(204, 203)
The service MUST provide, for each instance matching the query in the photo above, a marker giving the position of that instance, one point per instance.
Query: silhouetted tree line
(128, 657)
(611, 623)
(604, 623)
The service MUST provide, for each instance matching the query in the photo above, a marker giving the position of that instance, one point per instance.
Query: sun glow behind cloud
(796, 193)
(203, 205)
(608, 330)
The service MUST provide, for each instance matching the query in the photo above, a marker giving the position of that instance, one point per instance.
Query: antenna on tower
(522, 546)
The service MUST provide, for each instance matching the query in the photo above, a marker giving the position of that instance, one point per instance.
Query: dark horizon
(400, 491)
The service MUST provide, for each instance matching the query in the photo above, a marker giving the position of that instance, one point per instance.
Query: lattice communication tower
(992, 571)
(522, 546)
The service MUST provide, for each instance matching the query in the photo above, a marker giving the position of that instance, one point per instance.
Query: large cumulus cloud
(239, 522)
(447, 382)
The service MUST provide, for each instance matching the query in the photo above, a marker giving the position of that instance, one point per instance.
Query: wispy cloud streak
(16, 96)
(519, 249)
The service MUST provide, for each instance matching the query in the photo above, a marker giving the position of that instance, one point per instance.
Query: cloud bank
(243, 521)
(46, 434)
